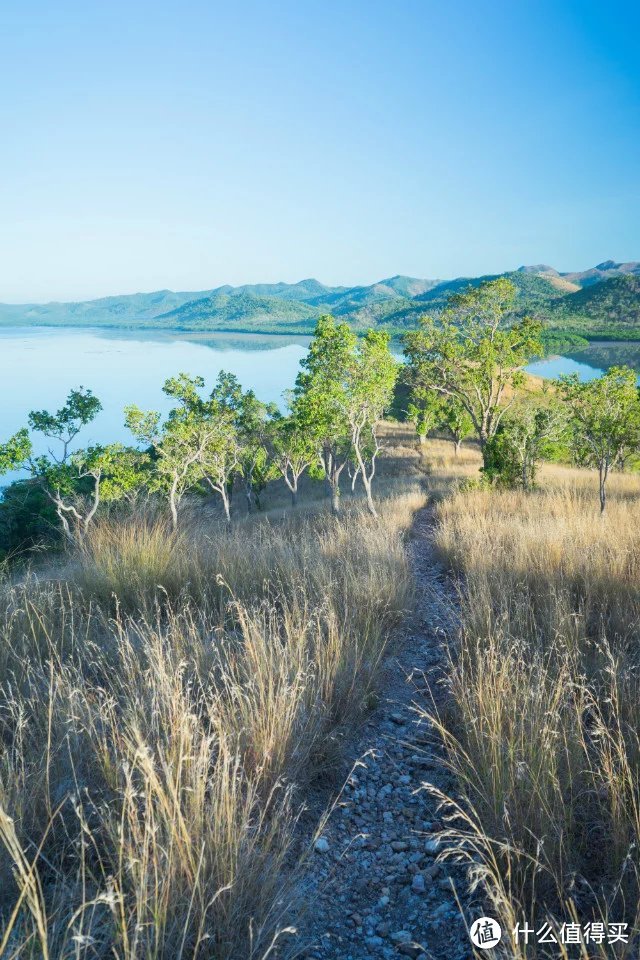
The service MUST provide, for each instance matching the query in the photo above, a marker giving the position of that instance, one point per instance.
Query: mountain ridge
(602, 300)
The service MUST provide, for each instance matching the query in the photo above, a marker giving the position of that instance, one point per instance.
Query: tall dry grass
(543, 725)
(161, 709)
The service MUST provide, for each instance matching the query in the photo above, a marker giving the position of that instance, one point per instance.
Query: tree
(475, 354)
(80, 409)
(424, 410)
(129, 473)
(256, 468)
(15, 452)
(89, 477)
(530, 432)
(605, 420)
(320, 401)
(371, 379)
(457, 421)
(71, 479)
(196, 443)
(292, 451)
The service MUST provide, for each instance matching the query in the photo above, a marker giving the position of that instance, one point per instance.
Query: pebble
(418, 884)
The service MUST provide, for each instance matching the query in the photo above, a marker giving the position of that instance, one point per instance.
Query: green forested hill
(245, 311)
(601, 302)
(609, 309)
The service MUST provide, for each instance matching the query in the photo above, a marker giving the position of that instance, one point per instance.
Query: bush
(27, 519)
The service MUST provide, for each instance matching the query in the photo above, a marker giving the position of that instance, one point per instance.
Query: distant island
(601, 303)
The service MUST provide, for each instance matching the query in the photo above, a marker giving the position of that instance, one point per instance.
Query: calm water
(591, 362)
(38, 367)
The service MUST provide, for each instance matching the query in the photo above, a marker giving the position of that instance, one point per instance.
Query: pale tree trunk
(367, 477)
(94, 506)
(292, 484)
(332, 473)
(173, 504)
(222, 487)
(367, 486)
(224, 493)
(457, 443)
(354, 477)
(63, 520)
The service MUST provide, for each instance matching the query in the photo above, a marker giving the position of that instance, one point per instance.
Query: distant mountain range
(599, 303)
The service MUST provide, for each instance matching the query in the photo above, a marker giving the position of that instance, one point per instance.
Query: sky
(149, 145)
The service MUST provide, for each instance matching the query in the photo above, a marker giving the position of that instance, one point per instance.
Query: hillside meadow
(168, 698)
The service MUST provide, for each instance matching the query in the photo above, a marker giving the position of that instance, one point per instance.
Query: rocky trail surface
(374, 887)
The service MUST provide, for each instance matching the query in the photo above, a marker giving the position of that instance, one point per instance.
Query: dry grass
(160, 710)
(544, 728)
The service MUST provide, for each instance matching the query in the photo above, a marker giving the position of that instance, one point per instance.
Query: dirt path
(373, 886)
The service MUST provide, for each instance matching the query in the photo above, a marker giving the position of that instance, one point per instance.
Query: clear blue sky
(184, 145)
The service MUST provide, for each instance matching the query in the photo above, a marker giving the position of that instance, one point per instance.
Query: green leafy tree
(530, 432)
(424, 410)
(253, 418)
(369, 390)
(71, 479)
(15, 452)
(80, 409)
(196, 443)
(320, 399)
(88, 478)
(475, 353)
(457, 421)
(129, 473)
(605, 420)
(292, 451)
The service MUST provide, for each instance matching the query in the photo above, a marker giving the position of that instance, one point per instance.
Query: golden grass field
(165, 698)
(543, 731)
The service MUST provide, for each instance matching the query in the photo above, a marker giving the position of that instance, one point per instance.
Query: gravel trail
(373, 886)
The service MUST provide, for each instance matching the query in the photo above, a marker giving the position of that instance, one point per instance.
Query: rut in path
(373, 888)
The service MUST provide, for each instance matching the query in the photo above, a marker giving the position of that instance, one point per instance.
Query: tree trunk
(335, 496)
(292, 484)
(354, 477)
(65, 524)
(367, 486)
(224, 493)
(457, 445)
(173, 506)
(94, 506)
(604, 470)
(483, 438)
